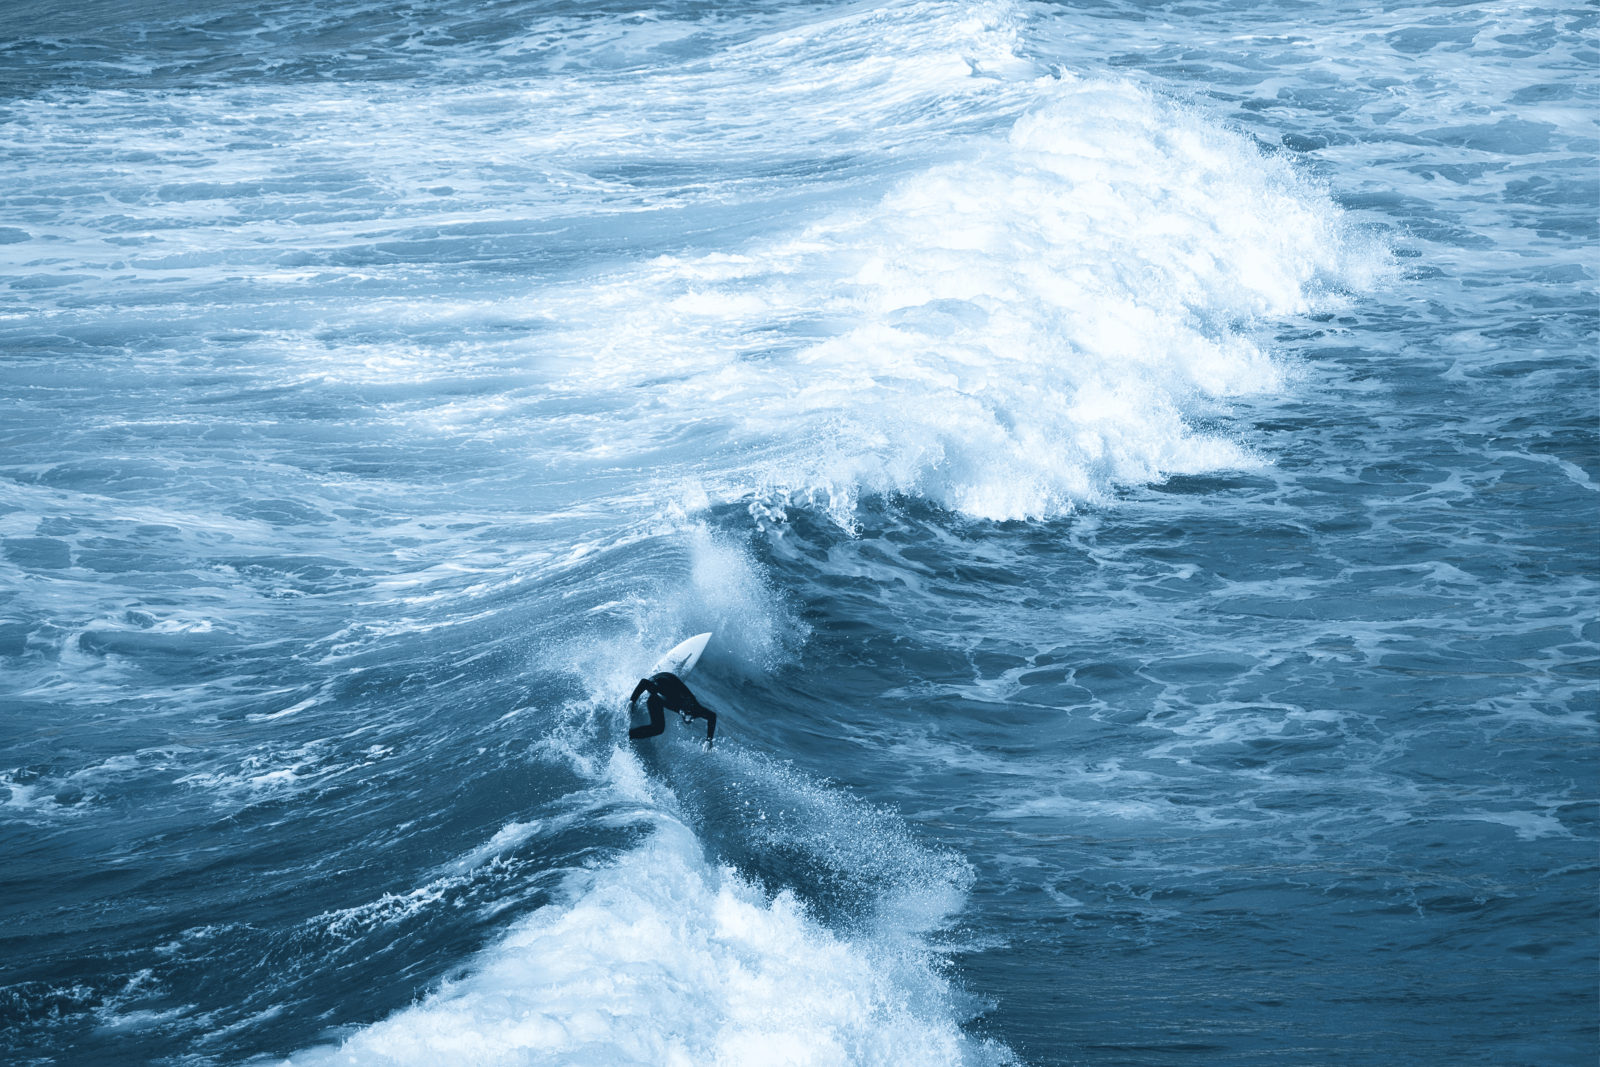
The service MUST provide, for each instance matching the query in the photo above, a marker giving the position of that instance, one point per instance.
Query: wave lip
(664, 960)
(1050, 319)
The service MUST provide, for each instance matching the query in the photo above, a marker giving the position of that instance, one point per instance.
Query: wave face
(1140, 473)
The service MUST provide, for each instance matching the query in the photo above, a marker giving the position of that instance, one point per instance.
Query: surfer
(667, 692)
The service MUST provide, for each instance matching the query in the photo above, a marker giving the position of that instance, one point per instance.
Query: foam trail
(664, 959)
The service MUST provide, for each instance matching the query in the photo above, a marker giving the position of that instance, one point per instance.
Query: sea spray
(1012, 334)
(662, 958)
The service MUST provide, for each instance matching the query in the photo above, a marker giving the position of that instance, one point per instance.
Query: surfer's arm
(645, 686)
(711, 722)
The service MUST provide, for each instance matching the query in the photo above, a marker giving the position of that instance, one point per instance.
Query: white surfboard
(683, 657)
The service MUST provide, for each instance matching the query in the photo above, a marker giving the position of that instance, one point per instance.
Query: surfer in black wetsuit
(667, 692)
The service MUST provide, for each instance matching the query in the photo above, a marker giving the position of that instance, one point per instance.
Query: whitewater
(1138, 462)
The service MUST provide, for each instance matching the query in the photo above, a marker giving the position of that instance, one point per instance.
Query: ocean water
(1138, 462)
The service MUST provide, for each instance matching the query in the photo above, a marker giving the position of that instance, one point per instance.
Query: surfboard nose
(683, 656)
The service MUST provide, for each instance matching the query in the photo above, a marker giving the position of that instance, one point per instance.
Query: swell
(394, 475)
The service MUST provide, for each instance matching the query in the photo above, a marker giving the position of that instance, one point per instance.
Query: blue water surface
(1138, 463)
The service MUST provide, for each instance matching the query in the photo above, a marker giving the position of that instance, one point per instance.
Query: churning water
(1138, 461)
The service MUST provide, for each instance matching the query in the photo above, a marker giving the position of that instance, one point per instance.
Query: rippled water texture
(1138, 462)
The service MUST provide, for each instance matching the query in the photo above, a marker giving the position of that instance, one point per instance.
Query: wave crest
(1012, 334)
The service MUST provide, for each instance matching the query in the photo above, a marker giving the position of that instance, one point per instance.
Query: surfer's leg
(658, 721)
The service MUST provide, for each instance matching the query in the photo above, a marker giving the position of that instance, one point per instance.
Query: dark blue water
(1138, 463)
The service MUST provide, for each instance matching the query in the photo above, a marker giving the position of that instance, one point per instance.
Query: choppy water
(1139, 462)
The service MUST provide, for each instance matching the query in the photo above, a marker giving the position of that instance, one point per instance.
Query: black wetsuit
(667, 692)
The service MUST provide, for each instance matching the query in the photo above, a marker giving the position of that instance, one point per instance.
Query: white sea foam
(663, 959)
(1010, 334)
(1053, 297)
